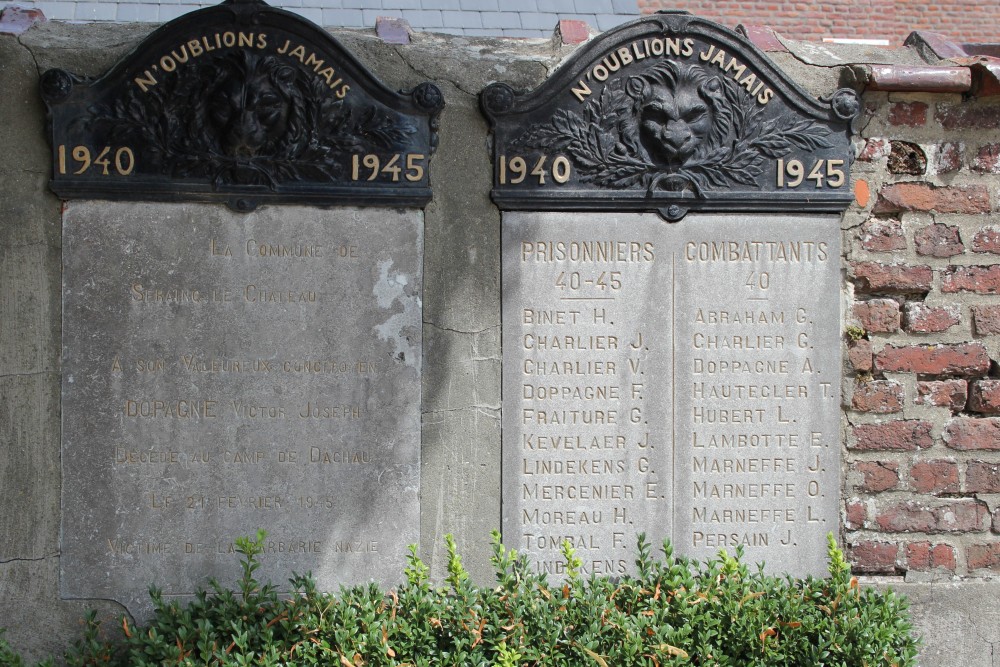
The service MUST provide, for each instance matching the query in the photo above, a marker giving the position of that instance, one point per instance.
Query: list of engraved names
(757, 385)
(677, 380)
(586, 459)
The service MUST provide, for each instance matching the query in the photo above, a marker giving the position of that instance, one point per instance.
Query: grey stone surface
(818, 81)
(29, 468)
(461, 427)
(27, 211)
(519, 32)
(959, 622)
(29, 341)
(678, 380)
(460, 480)
(228, 372)
(757, 437)
(38, 623)
(832, 55)
(56, 44)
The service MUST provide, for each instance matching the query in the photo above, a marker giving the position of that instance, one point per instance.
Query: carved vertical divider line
(673, 392)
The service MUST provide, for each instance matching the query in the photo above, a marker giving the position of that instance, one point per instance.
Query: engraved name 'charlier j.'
(541, 342)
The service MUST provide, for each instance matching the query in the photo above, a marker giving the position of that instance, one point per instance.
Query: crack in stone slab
(431, 77)
(460, 331)
(5, 376)
(30, 560)
(490, 411)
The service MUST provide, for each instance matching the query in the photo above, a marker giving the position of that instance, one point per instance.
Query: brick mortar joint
(956, 540)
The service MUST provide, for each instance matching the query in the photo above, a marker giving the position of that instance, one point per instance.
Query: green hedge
(672, 612)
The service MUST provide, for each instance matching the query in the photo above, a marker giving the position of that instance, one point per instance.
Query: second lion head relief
(673, 127)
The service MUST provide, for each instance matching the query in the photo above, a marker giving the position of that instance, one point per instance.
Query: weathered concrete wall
(30, 289)
(958, 612)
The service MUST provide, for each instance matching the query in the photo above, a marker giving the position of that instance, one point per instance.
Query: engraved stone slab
(227, 372)
(679, 380)
(587, 332)
(757, 440)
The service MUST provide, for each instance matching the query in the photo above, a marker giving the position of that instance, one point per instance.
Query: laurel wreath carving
(602, 144)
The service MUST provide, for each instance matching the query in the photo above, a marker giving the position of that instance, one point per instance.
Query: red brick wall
(922, 438)
(963, 21)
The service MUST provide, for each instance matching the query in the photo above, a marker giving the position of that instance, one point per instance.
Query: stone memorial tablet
(757, 372)
(587, 385)
(680, 380)
(230, 369)
(228, 372)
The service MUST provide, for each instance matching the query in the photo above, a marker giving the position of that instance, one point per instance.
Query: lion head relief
(677, 114)
(252, 106)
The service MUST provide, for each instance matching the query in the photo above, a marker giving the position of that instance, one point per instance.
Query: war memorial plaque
(253, 365)
(225, 372)
(586, 378)
(670, 301)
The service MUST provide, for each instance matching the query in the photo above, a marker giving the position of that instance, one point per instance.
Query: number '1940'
(514, 170)
(110, 160)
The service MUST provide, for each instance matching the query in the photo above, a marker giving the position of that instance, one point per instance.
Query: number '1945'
(791, 174)
(369, 167)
